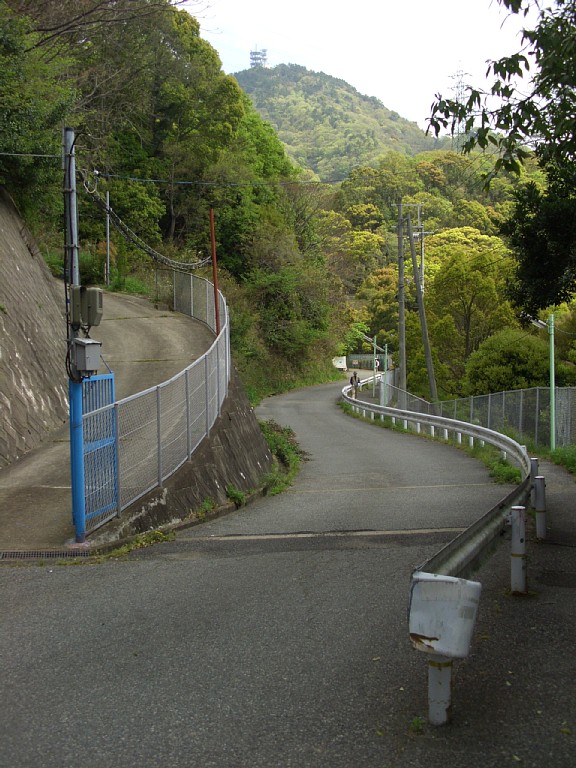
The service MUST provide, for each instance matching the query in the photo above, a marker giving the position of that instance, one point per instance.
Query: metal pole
(422, 312)
(214, 272)
(518, 551)
(75, 381)
(401, 313)
(552, 385)
(374, 368)
(107, 237)
(439, 690)
(540, 506)
(534, 464)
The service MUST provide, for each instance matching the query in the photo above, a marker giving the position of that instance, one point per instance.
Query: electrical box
(86, 356)
(86, 306)
(442, 614)
(92, 306)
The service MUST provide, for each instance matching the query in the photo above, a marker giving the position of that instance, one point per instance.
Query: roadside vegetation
(309, 269)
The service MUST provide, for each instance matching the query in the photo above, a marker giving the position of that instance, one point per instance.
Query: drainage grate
(49, 554)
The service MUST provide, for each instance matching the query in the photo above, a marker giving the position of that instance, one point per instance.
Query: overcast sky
(402, 52)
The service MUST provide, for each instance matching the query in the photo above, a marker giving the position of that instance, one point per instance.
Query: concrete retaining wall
(33, 381)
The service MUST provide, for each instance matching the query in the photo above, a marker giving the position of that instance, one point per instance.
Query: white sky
(401, 51)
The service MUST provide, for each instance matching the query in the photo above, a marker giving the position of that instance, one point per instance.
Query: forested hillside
(308, 266)
(327, 126)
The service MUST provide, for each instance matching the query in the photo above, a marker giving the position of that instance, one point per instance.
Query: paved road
(275, 636)
(144, 347)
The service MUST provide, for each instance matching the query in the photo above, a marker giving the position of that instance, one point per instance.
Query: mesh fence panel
(522, 413)
(137, 446)
(172, 429)
(158, 429)
(212, 385)
(200, 296)
(183, 294)
(196, 403)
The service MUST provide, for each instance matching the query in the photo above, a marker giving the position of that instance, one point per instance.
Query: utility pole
(107, 276)
(401, 312)
(75, 380)
(422, 313)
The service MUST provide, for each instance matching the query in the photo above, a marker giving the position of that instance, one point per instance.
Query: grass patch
(287, 456)
(237, 496)
(565, 457)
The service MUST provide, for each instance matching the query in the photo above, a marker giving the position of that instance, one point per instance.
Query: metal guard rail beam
(465, 553)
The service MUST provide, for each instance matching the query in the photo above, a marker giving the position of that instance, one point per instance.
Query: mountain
(326, 125)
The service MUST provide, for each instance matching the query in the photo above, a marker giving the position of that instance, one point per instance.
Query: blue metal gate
(100, 450)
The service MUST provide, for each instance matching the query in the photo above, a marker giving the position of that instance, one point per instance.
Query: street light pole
(552, 385)
(549, 324)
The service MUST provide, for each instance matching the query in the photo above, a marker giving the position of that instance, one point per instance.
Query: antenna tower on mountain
(259, 58)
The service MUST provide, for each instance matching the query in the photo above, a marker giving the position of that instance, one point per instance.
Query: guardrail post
(533, 473)
(540, 506)
(439, 690)
(518, 551)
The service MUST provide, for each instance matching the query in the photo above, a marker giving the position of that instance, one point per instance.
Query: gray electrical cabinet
(86, 356)
(86, 306)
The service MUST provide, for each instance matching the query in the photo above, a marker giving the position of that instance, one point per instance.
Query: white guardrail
(443, 604)
(465, 553)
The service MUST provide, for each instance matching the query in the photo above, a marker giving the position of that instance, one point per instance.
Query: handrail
(468, 550)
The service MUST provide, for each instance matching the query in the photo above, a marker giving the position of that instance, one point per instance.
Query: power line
(217, 183)
(130, 235)
(27, 154)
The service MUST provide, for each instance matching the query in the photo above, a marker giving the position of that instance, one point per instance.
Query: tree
(510, 359)
(542, 233)
(35, 101)
(536, 113)
(465, 298)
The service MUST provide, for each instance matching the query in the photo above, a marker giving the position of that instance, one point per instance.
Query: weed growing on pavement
(207, 506)
(235, 495)
(287, 456)
(417, 725)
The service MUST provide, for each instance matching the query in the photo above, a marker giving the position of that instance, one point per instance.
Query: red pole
(214, 271)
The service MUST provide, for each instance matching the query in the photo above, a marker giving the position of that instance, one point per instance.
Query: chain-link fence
(157, 430)
(523, 413)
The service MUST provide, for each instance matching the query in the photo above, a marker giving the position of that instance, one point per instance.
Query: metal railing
(157, 430)
(466, 552)
(524, 412)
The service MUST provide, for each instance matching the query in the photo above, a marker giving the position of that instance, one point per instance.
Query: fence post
(206, 396)
(187, 396)
(117, 450)
(518, 551)
(159, 435)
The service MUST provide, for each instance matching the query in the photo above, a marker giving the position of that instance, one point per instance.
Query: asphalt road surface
(275, 636)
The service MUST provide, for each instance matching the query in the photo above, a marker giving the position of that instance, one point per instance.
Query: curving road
(274, 637)
(144, 347)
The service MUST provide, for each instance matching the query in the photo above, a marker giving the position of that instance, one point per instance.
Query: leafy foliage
(326, 125)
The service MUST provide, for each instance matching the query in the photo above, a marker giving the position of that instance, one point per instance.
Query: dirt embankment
(33, 381)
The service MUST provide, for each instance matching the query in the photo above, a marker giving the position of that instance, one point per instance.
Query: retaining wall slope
(33, 381)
